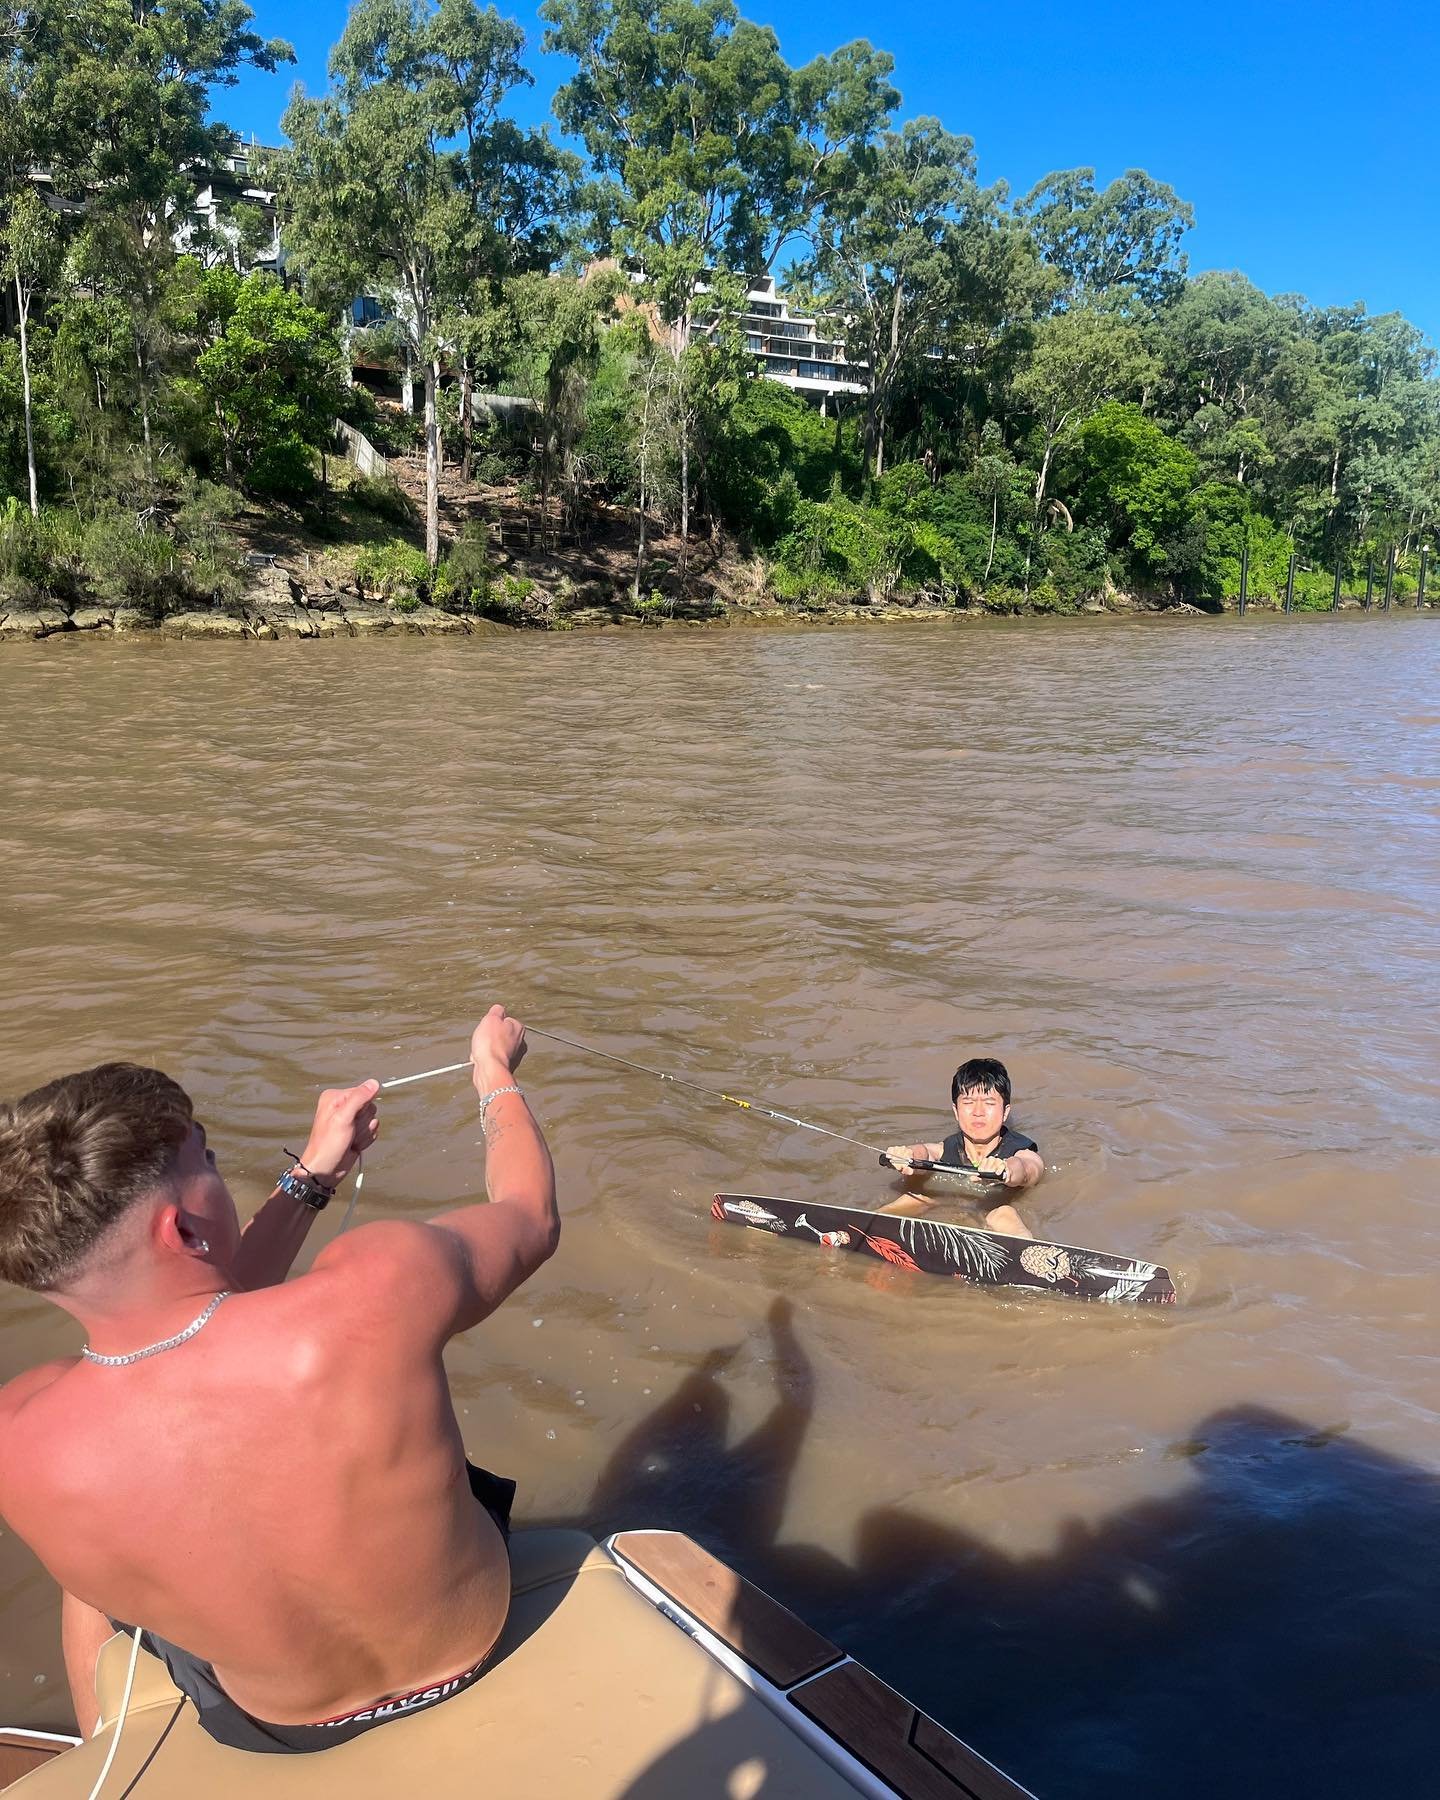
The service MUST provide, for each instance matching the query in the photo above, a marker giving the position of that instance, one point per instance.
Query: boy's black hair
(981, 1072)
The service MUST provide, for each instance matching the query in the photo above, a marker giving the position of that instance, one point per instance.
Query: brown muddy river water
(1181, 875)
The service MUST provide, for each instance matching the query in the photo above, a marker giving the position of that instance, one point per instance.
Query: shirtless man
(276, 1489)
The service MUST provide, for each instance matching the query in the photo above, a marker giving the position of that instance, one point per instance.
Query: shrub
(392, 569)
(40, 559)
(133, 564)
(464, 581)
(383, 500)
(836, 547)
(1045, 597)
(1076, 563)
(776, 453)
(1229, 516)
(936, 561)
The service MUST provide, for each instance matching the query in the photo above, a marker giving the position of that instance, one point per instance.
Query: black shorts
(229, 1724)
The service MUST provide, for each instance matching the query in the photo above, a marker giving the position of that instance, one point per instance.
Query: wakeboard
(932, 1246)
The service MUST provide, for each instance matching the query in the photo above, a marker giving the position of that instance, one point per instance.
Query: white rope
(107, 1765)
(425, 1074)
(967, 1175)
(354, 1192)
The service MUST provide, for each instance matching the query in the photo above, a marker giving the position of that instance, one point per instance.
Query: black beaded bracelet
(328, 1188)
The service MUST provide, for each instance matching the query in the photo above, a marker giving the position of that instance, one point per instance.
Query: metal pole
(1420, 591)
(1389, 578)
(1244, 575)
(1369, 581)
(1290, 585)
(1335, 598)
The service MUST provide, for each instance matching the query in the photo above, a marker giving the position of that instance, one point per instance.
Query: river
(1181, 875)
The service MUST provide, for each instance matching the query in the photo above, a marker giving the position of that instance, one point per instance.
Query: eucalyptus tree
(1227, 370)
(993, 478)
(708, 151)
(1080, 359)
(1119, 245)
(123, 90)
(29, 251)
(406, 174)
(900, 255)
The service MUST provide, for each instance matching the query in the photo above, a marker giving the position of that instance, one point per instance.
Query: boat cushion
(593, 1695)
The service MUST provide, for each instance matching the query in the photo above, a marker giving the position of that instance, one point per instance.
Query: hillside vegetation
(1055, 409)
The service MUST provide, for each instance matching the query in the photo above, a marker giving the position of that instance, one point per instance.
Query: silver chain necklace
(116, 1362)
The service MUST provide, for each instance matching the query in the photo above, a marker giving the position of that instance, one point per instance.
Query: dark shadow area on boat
(1272, 1624)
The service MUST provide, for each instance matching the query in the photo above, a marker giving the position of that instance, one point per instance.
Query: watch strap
(301, 1185)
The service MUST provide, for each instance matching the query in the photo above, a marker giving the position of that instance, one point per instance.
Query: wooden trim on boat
(766, 1634)
(883, 1744)
(22, 1752)
(898, 1742)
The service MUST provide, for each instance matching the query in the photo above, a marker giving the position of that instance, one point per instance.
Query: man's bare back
(285, 1495)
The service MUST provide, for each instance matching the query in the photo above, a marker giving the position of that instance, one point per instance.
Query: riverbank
(352, 566)
(275, 619)
(277, 616)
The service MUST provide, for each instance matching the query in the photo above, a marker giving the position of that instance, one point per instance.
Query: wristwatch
(301, 1185)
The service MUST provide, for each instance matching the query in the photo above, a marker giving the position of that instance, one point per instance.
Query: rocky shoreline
(270, 619)
(271, 623)
(336, 613)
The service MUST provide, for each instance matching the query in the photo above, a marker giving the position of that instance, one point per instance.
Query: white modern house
(803, 354)
(222, 184)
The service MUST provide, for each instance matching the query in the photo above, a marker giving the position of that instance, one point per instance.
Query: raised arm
(345, 1124)
(448, 1274)
(503, 1244)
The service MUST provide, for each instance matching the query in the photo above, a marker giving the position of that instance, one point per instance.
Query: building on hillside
(231, 216)
(803, 354)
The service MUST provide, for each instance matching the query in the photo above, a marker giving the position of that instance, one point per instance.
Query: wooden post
(1335, 597)
(1369, 581)
(1244, 574)
(1420, 591)
(1290, 584)
(1389, 578)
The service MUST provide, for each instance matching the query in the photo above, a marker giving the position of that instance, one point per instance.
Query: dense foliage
(1052, 404)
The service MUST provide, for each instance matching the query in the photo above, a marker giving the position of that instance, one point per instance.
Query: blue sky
(1303, 134)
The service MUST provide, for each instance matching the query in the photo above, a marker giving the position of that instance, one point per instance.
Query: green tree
(708, 150)
(123, 90)
(897, 255)
(1080, 359)
(1141, 482)
(271, 380)
(29, 251)
(392, 176)
(1226, 355)
(1119, 246)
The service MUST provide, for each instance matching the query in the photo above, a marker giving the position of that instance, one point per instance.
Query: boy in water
(980, 1094)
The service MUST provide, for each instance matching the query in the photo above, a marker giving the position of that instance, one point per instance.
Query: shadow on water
(1273, 1625)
